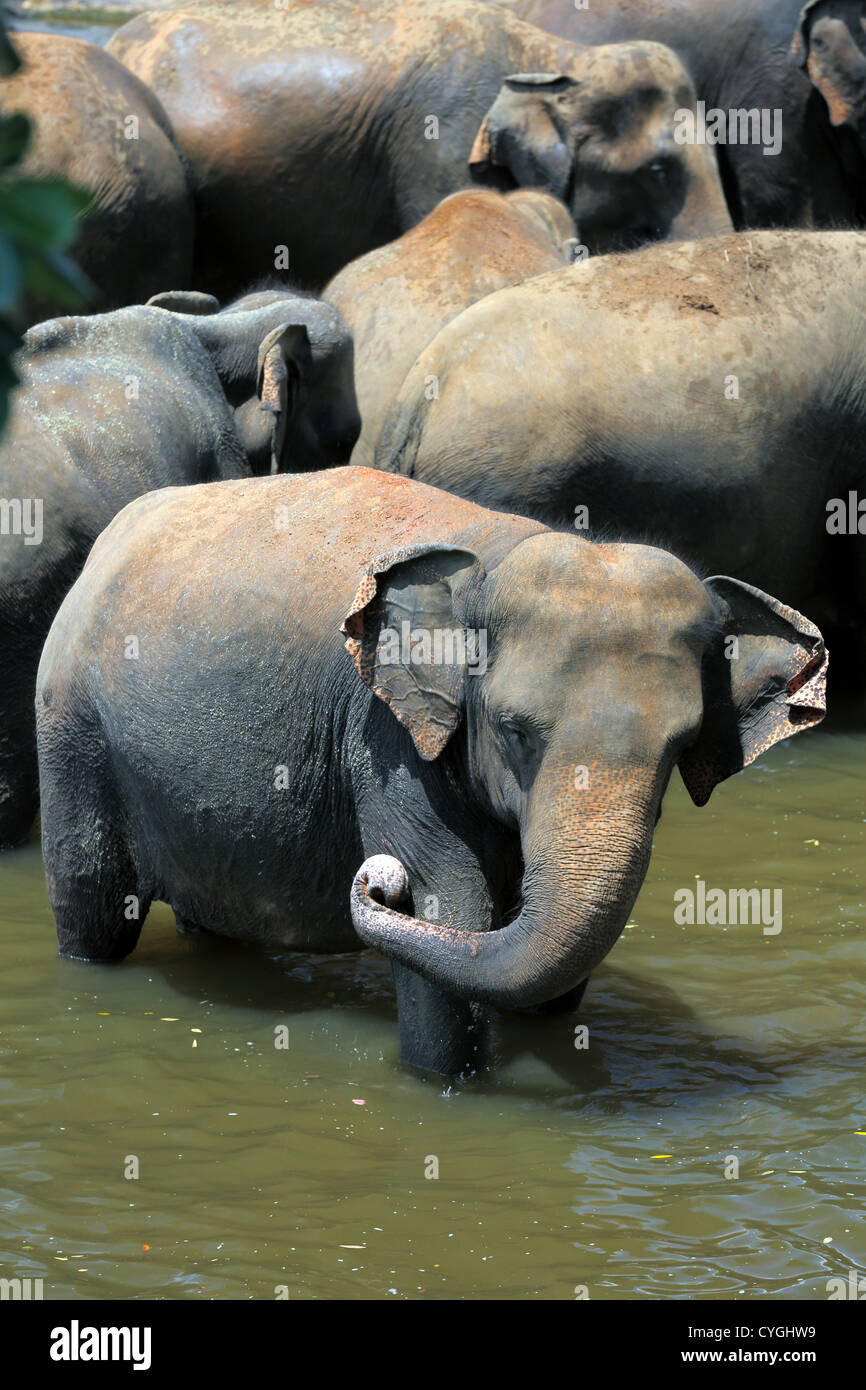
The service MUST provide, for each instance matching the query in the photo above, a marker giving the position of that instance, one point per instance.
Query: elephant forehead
(618, 67)
(611, 586)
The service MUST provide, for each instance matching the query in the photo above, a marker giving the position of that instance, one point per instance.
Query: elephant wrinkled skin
(114, 405)
(281, 726)
(806, 61)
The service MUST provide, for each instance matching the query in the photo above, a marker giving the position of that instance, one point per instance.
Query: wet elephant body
(281, 725)
(115, 405)
(285, 361)
(315, 133)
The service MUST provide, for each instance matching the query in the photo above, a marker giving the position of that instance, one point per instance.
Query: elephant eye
(517, 738)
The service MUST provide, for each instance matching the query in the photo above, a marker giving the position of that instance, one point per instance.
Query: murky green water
(603, 1167)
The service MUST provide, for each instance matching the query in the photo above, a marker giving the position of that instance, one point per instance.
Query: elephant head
(601, 137)
(606, 666)
(830, 43)
(286, 364)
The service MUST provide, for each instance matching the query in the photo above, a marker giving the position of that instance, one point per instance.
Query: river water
(261, 1170)
(709, 1142)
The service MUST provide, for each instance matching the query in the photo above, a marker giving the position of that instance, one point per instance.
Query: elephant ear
(284, 364)
(520, 133)
(185, 302)
(765, 686)
(405, 633)
(837, 68)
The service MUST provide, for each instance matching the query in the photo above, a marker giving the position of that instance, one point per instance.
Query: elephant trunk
(576, 900)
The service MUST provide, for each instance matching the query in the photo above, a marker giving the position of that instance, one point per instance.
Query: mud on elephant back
(95, 124)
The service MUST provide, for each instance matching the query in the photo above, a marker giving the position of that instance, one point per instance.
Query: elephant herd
(460, 438)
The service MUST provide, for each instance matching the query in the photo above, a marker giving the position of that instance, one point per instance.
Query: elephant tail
(400, 440)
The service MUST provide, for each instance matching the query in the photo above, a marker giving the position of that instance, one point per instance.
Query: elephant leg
(19, 791)
(437, 1032)
(94, 887)
(97, 903)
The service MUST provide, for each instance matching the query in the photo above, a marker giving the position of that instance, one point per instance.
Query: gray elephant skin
(286, 364)
(278, 726)
(396, 298)
(314, 133)
(114, 405)
(806, 61)
(710, 396)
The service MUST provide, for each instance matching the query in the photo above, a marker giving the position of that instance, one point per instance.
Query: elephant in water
(796, 69)
(100, 127)
(350, 666)
(114, 405)
(710, 396)
(395, 299)
(314, 133)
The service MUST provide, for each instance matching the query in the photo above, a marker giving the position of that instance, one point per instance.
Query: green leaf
(9, 60)
(52, 275)
(15, 134)
(41, 212)
(11, 276)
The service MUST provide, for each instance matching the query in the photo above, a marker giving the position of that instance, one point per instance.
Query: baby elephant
(285, 361)
(252, 689)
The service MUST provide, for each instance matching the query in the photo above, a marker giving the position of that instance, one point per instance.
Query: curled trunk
(577, 896)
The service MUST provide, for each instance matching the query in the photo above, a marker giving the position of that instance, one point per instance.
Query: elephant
(397, 297)
(310, 418)
(95, 124)
(112, 406)
(709, 395)
(806, 61)
(315, 133)
(367, 712)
